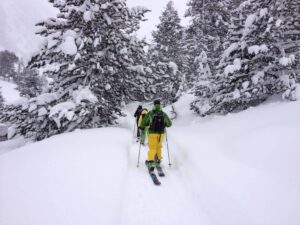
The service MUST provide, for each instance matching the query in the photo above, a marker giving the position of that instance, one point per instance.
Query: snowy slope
(18, 19)
(9, 92)
(233, 170)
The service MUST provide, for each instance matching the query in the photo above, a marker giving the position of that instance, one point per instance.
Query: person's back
(137, 115)
(145, 131)
(157, 121)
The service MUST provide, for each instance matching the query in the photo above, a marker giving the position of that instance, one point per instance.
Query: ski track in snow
(169, 203)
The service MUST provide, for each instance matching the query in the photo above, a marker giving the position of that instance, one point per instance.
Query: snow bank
(241, 168)
(236, 169)
(75, 178)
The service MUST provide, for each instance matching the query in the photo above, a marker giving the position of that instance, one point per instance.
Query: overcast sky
(156, 7)
(18, 19)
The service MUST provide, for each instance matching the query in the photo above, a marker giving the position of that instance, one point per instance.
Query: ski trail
(145, 203)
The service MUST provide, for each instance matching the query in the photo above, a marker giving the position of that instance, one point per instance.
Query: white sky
(156, 7)
(18, 19)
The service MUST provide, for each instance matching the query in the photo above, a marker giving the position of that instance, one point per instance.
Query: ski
(152, 174)
(154, 178)
(160, 171)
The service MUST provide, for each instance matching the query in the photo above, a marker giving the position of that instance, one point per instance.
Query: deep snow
(227, 170)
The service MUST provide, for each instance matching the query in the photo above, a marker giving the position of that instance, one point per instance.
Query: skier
(157, 121)
(137, 116)
(145, 131)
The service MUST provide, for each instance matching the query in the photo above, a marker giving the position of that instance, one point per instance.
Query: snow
(174, 67)
(9, 92)
(107, 18)
(286, 61)
(68, 46)
(230, 49)
(259, 75)
(42, 111)
(46, 98)
(84, 94)
(87, 16)
(263, 12)
(62, 110)
(138, 69)
(250, 20)
(255, 49)
(230, 69)
(245, 84)
(7, 146)
(278, 23)
(236, 169)
(107, 87)
(64, 183)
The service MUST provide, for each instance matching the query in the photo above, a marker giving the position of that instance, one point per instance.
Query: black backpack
(158, 122)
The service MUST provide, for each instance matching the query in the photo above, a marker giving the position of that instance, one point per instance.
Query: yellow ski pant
(155, 146)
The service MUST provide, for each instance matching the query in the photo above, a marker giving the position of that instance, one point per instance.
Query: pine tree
(30, 84)
(262, 58)
(165, 56)
(205, 35)
(1, 99)
(8, 60)
(91, 51)
(167, 36)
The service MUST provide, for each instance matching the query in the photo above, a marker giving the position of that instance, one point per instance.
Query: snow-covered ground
(9, 92)
(238, 169)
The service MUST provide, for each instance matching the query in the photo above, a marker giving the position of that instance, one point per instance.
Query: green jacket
(148, 119)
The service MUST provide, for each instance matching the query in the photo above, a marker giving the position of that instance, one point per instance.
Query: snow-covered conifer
(165, 56)
(206, 34)
(8, 61)
(30, 84)
(262, 58)
(89, 52)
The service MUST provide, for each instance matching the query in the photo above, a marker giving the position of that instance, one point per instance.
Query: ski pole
(168, 149)
(138, 163)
